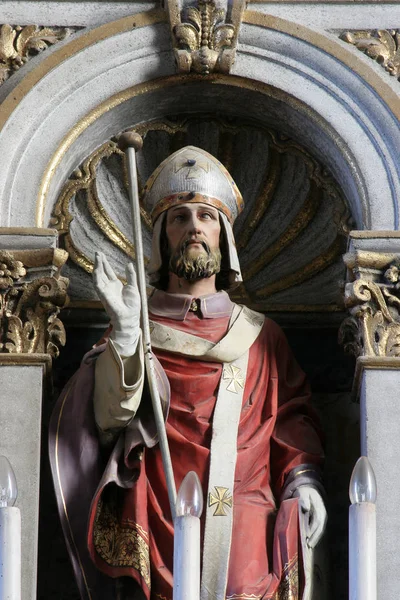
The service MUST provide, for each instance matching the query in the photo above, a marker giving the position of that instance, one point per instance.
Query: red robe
(277, 432)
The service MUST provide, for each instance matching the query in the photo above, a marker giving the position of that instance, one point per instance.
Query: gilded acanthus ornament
(29, 306)
(383, 45)
(18, 44)
(373, 300)
(203, 40)
(204, 36)
(10, 270)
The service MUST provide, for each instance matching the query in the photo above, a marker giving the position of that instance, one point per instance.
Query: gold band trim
(137, 90)
(331, 47)
(57, 57)
(33, 231)
(304, 471)
(300, 222)
(189, 197)
(372, 362)
(371, 234)
(316, 266)
(270, 184)
(24, 359)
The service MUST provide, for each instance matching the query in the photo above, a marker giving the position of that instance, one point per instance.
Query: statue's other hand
(121, 302)
(313, 507)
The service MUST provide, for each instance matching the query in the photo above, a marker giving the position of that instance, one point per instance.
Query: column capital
(372, 294)
(32, 291)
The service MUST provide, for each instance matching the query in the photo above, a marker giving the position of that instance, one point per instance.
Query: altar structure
(301, 102)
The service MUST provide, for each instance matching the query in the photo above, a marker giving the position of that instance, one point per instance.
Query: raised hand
(310, 502)
(121, 302)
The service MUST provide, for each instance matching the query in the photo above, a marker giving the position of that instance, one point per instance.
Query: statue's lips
(195, 243)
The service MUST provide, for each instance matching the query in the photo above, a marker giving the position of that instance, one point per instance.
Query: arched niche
(310, 85)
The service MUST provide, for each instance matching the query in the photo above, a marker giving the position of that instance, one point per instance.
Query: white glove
(121, 302)
(310, 501)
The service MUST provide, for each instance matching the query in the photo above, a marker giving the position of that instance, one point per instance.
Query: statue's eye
(179, 218)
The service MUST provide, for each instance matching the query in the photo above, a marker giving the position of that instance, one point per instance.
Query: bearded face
(192, 246)
(195, 260)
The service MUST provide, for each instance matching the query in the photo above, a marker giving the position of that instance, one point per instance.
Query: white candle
(10, 534)
(10, 553)
(189, 506)
(362, 532)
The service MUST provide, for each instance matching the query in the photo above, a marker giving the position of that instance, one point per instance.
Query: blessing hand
(310, 502)
(121, 302)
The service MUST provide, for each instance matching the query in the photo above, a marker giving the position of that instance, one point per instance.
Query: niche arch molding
(62, 105)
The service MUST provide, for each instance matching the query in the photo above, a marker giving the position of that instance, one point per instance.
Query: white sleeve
(118, 387)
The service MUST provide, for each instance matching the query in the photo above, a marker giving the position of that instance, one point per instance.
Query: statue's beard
(191, 266)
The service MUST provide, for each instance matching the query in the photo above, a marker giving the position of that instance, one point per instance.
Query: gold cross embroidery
(222, 499)
(234, 375)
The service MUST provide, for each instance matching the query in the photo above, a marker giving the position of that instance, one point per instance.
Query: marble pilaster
(372, 333)
(31, 294)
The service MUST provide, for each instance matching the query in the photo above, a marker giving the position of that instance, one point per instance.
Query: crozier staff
(236, 406)
(132, 142)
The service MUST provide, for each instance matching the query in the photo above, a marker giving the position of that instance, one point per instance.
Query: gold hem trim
(121, 544)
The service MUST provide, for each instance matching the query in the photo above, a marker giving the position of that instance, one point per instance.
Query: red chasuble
(278, 431)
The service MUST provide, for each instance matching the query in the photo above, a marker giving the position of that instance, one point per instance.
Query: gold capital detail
(222, 499)
(382, 45)
(29, 305)
(373, 300)
(234, 377)
(19, 44)
(203, 42)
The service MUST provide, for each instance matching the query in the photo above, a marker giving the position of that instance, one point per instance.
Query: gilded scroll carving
(29, 305)
(373, 299)
(204, 36)
(203, 40)
(19, 44)
(382, 45)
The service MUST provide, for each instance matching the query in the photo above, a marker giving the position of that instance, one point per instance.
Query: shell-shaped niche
(290, 236)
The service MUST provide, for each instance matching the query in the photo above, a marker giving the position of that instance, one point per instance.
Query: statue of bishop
(237, 412)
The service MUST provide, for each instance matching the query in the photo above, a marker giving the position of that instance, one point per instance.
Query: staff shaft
(149, 361)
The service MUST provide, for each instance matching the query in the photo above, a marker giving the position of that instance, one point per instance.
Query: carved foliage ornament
(29, 309)
(374, 327)
(203, 40)
(18, 44)
(382, 45)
